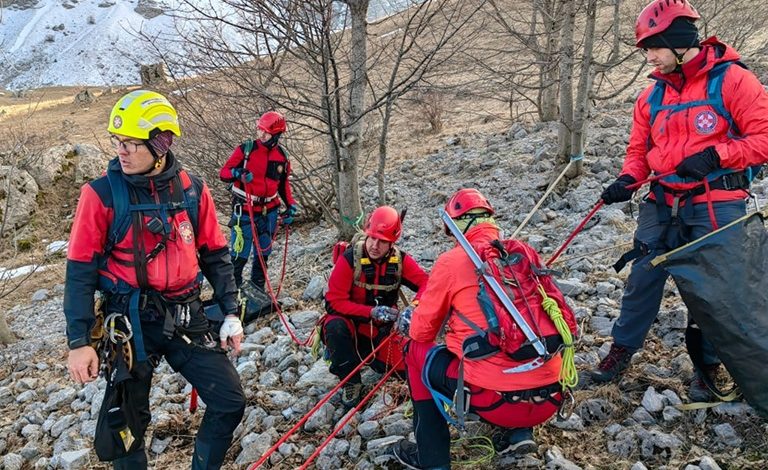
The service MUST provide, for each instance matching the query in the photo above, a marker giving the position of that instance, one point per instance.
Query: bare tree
(316, 62)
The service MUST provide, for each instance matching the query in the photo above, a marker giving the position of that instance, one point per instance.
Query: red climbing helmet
(384, 223)
(272, 123)
(659, 14)
(464, 200)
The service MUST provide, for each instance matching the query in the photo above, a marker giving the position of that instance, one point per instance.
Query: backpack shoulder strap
(282, 150)
(655, 99)
(192, 190)
(715, 79)
(247, 148)
(121, 219)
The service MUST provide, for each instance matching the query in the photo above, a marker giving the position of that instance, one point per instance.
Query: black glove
(617, 191)
(699, 165)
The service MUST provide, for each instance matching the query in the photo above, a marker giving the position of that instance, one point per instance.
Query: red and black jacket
(270, 169)
(348, 297)
(173, 271)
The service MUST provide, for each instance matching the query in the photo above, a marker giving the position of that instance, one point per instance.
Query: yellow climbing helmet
(141, 114)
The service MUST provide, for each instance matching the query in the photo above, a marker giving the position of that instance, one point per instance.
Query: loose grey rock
(314, 290)
(652, 401)
(708, 463)
(368, 429)
(727, 435)
(12, 462)
(40, 295)
(74, 460)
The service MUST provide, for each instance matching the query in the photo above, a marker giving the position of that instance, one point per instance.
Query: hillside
(48, 422)
(629, 424)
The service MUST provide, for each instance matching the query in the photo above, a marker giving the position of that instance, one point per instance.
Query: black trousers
(346, 348)
(214, 377)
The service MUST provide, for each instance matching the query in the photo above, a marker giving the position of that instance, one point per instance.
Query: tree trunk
(6, 336)
(383, 151)
(566, 82)
(349, 186)
(581, 111)
(548, 75)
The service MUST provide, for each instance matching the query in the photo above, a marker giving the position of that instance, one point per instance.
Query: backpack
(714, 99)
(517, 268)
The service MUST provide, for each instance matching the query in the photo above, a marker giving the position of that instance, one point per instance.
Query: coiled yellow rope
(569, 377)
(239, 242)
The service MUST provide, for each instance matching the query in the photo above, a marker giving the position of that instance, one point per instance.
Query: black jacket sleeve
(217, 267)
(82, 279)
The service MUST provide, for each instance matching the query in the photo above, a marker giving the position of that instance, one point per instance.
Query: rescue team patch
(186, 232)
(117, 122)
(705, 122)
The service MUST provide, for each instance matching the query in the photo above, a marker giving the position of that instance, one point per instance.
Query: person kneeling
(504, 380)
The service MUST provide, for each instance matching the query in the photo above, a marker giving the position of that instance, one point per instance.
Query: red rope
(319, 404)
(350, 415)
(592, 213)
(257, 245)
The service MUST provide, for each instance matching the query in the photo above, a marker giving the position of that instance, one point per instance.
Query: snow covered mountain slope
(92, 42)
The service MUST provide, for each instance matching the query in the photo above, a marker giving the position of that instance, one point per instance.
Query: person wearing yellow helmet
(143, 235)
(142, 125)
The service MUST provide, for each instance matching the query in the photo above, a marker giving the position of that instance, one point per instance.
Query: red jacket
(675, 136)
(270, 169)
(453, 286)
(175, 269)
(347, 299)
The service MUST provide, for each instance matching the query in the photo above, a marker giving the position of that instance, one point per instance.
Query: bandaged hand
(231, 333)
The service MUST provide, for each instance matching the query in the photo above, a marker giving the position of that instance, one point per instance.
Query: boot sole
(520, 448)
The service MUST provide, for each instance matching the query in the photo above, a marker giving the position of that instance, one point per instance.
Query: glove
(242, 174)
(287, 214)
(383, 313)
(231, 331)
(617, 191)
(404, 320)
(699, 165)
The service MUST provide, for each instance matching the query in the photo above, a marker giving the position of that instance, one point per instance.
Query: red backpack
(518, 269)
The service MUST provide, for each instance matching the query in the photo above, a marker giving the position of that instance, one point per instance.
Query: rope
(541, 201)
(486, 446)
(319, 404)
(350, 415)
(569, 376)
(273, 297)
(354, 222)
(239, 244)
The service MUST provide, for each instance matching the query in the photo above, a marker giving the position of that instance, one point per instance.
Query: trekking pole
(543, 197)
(500, 294)
(350, 414)
(600, 203)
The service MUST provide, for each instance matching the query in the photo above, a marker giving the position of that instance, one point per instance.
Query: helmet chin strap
(157, 160)
(678, 56)
(272, 142)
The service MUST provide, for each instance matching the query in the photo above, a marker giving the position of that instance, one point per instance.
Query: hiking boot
(613, 364)
(518, 441)
(698, 390)
(351, 394)
(407, 453)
